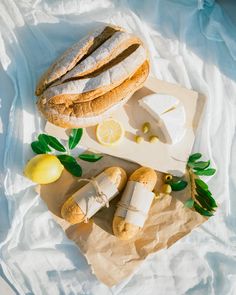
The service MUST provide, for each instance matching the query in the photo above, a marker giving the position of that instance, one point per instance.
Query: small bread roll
(122, 229)
(70, 210)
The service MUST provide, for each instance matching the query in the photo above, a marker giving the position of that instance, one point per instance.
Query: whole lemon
(43, 169)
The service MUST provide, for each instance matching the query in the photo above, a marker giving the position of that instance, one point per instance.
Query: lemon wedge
(110, 132)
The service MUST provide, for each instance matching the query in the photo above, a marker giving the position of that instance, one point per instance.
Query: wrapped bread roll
(93, 78)
(135, 203)
(97, 193)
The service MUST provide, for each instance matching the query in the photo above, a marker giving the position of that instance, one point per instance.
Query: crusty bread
(122, 229)
(90, 80)
(73, 55)
(70, 210)
(111, 48)
(68, 114)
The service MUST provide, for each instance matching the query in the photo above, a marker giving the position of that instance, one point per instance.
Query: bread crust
(99, 82)
(69, 114)
(125, 230)
(70, 210)
(73, 55)
(93, 78)
(114, 46)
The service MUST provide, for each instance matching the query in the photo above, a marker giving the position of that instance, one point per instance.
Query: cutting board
(160, 155)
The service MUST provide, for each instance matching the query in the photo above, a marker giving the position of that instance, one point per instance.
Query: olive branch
(201, 199)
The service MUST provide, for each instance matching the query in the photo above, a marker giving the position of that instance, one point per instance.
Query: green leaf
(43, 141)
(70, 165)
(90, 157)
(204, 203)
(200, 183)
(212, 202)
(202, 211)
(203, 192)
(178, 185)
(189, 203)
(200, 165)
(38, 147)
(207, 172)
(53, 142)
(194, 157)
(208, 197)
(75, 137)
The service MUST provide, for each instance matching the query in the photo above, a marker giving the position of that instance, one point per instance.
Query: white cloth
(192, 43)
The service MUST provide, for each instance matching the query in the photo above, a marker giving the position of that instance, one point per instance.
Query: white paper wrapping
(135, 203)
(88, 199)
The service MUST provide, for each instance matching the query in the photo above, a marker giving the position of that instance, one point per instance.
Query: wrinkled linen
(192, 43)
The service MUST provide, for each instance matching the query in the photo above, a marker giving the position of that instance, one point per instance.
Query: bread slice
(90, 81)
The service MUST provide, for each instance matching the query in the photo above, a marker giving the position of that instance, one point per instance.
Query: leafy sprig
(201, 199)
(46, 144)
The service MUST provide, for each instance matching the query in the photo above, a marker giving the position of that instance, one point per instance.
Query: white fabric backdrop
(192, 43)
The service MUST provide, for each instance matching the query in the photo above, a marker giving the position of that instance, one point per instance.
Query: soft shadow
(13, 289)
(132, 108)
(207, 32)
(91, 131)
(104, 217)
(199, 111)
(56, 193)
(84, 229)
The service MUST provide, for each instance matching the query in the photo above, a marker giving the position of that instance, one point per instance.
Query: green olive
(146, 127)
(153, 139)
(157, 196)
(139, 139)
(166, 189)
(168, 177)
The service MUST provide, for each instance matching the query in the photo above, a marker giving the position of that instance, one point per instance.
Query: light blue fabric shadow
(215, 27)
(211, 19)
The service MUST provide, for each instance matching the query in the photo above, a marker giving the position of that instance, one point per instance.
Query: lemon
(110, 132)
(43, 169)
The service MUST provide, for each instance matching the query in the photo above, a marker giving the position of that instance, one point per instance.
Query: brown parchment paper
(168, 221)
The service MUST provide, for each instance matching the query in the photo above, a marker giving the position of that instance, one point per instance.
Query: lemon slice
(110, 132)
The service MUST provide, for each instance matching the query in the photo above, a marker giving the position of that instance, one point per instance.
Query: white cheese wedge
(169, 112)
(172, 131)
(157, 104)
(176, 115)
